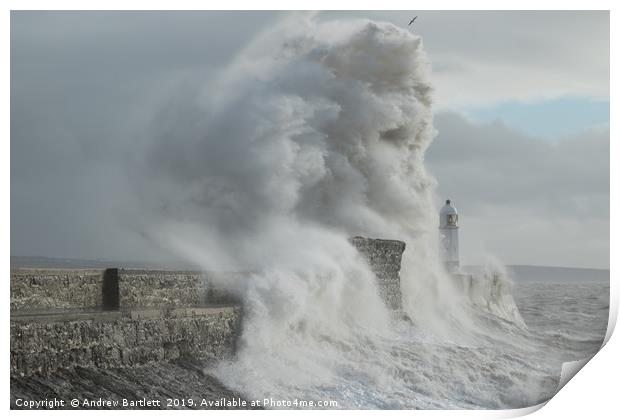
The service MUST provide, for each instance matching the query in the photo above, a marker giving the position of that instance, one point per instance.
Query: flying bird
(412, 20)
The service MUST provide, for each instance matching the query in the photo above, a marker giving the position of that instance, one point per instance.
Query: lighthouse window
(452, 219)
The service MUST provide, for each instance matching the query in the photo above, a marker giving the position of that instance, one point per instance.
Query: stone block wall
(43, 344)
(53, 289)
(161, 288)
(384, 257)
(117, 318)
(139, 288)
(40, 289)
(123, 318)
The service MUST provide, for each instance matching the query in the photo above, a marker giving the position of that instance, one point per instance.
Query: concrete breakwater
(75, 331)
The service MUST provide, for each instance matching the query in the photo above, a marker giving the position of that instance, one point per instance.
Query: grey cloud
(84, 83)
(515, 190)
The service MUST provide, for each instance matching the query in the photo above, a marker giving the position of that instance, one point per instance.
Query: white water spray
(315, 133)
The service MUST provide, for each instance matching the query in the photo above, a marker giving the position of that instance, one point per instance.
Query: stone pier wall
(40, 289)
(43, 289)
(117, 318)
(127, 318)
(384, 258)
(147, 288)
(44, 343)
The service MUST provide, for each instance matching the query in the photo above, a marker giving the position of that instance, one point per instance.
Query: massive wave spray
(316, 132)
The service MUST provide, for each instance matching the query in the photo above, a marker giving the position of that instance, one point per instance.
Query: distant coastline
(521, 273)
(517, 272)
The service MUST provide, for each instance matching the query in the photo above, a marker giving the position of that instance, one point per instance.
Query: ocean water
(497, 363)
(566, 319)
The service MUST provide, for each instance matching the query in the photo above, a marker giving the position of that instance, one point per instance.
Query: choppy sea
(502, 366)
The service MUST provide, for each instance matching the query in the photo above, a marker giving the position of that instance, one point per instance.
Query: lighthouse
(449, 236)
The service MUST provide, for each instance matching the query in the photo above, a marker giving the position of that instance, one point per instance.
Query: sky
(521, 103)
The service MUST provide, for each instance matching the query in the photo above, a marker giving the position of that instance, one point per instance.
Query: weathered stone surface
(45, 289)
(384, 257)
(41, 289)
(135, 338)
(169, 289)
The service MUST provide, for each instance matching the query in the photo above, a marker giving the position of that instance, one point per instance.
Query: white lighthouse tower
(449, 236)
